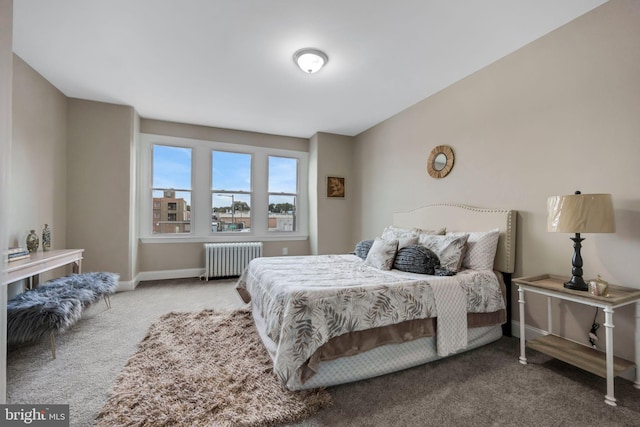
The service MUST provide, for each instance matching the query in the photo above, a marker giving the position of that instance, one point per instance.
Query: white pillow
(382, 254)
(391, 232)
(438, 232)
(403, 242)
(450, 249)
(394, 233)
(481, 249)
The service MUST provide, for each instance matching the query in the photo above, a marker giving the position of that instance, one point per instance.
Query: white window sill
(225, 237)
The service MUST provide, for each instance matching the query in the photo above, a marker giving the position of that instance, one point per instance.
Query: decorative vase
(32, 241)
(46, 238)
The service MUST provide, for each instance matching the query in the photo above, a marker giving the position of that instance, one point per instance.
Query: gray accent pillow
(382, 254)
(416, 259)
(362, 248)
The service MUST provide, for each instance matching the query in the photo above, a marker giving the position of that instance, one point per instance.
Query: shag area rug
(204, 369)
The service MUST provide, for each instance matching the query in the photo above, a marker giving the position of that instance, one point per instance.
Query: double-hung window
(231, 192)
(195, 190)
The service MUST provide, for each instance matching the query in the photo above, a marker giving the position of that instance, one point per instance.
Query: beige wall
(182, 130)
(330, 218)
(6, 85)
(99, 183)
(558, 115)
(38, 182)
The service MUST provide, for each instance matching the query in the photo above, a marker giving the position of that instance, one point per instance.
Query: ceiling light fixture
(310, 60)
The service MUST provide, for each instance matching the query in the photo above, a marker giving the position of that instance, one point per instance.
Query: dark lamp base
(576, 283)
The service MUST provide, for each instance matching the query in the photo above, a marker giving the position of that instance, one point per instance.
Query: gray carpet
(484, 387)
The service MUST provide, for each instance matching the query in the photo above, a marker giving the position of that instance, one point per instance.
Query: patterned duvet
(305, 301)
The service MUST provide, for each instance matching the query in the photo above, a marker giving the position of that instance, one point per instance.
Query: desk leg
(523, 357)
(636, 383)
(608, 324)
(33, 281)
(76, 267)
(549, 316)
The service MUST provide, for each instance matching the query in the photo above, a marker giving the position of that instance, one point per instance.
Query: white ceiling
(229, 63)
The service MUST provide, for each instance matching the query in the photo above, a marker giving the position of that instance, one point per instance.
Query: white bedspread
(306, 301)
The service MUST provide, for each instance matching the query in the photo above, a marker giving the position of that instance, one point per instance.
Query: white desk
(605, 364)
(39, 262)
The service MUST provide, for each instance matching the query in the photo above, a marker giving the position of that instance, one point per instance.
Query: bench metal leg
(107, 300)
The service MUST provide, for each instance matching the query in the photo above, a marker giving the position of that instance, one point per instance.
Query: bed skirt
(378, 361)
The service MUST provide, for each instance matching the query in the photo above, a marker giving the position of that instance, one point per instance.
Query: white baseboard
(159, 275)
(170, 274)
(127, 286)
(530, 331)
(533, 333)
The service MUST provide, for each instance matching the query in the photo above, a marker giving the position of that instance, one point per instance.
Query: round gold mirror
(440, 161)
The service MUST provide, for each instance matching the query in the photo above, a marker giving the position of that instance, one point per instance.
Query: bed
(332, 319)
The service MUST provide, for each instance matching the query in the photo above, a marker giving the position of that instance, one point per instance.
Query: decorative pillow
(438, 232)
(382, 254)
(481, 249)
(362, 248)
(416, 259)
(403, 242)
(443, 272)
(392, 233)
(449, 249)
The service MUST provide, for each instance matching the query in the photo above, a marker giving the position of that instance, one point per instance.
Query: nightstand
(603, 364)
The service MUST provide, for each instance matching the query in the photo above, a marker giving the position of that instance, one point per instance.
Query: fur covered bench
(55, 306)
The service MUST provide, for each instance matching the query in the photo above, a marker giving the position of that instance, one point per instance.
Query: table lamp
(580, 213)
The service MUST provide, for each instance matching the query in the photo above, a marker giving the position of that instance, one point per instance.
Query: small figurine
(32, 241)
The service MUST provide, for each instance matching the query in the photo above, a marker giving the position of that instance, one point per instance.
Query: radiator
(229, 259)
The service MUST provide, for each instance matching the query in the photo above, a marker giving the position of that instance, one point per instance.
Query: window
(231, 192)
(206, 191)
(283, 193)
(171, 189)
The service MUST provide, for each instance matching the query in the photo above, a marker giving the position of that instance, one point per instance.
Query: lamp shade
(580, 213)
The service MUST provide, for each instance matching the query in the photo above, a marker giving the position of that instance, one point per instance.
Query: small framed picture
(335, 187)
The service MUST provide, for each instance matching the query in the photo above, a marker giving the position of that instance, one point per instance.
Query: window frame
(202, 192)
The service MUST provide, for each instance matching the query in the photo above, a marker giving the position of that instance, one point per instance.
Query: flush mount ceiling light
(310, 60)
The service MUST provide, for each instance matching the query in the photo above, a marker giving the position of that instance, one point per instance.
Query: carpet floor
(483, 387)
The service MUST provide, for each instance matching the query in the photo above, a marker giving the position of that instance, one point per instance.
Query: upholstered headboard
(467, 218)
